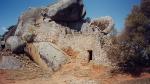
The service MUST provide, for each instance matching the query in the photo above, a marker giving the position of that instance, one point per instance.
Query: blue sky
(118, 9)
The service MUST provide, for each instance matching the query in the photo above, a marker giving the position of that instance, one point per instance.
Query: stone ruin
(58, 33)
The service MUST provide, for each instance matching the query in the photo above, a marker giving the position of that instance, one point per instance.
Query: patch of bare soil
(27, 69)
(4, 78)
(71, 73)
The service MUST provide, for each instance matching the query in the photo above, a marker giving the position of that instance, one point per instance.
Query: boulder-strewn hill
(56, 44)
(44, 33)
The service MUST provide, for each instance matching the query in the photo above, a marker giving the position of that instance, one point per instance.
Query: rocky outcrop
(47, 31)
(66, 10)
(28, 20)
(104, 24)
(15, 43)
(10, 32)
(9, 62)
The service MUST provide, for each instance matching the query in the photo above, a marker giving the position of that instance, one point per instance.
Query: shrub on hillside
(128, 57)
(130, 51)
(145, 7)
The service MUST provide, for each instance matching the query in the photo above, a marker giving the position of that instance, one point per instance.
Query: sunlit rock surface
(63, 25)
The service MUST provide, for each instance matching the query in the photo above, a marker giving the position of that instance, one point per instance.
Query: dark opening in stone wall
(90, 55)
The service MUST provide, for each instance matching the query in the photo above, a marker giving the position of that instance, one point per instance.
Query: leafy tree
(131, 49)
(145, 7)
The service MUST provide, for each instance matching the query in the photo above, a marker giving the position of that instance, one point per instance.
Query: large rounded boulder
(104, 24)
(15, 43)
(47, 55)
(67, 10)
